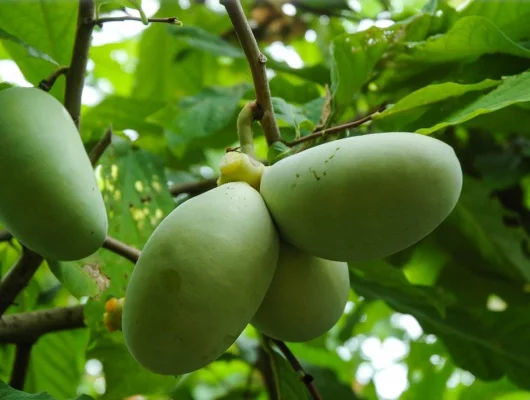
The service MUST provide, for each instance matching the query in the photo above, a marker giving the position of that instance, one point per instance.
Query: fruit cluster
(270, 245)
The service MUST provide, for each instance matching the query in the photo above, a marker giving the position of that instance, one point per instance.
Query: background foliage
(447, 319)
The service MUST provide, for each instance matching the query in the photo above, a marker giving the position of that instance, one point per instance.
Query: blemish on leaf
(139, 186)
(114, 171)
(157, 186)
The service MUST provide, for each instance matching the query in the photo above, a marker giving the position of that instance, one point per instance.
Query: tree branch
(47, 84)
(334, 129)
(18, 278)
(20, 368)
(193, 188)
(100, 147)
(29, 326)
(306, 378)
(170, 20)
(256, 61)
(128, 252)
(75, 78)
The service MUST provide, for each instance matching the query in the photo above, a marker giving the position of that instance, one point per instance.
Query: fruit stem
(244, 129)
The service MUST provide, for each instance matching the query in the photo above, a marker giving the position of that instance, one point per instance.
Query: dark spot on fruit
(298, 175)
(170, 280)
(324, 174)
(338, 148)
(293, 185)
(91, 232)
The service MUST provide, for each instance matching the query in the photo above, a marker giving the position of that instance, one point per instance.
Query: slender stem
(128, 252)
(264, 364)
(256, 61)
(20, 367)
(307, 379)
(331, 131)
(75, 78)
(47, 84)
(100, 147)
(244, 129)
(27, 327)
(18, 278)
(193, 188)
(169, 20)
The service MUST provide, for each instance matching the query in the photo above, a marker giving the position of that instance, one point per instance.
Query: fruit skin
(200, 278)
(306, 298)
(363, 197)
(50, 199)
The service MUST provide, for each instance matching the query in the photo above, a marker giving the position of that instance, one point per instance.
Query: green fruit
(364, 197)
(50, 200)
(201, 277)
(306, 298)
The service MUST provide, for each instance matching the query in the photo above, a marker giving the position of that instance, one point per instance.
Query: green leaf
(121, 113)
(8, 393)
(418, 102)
(468, 39)
(57, 363)
(354, 59)
(200, 116)
(489, 344)
(123, 375)
(161, 73)
(134, 188)
(32, 52)
(290, 385)
(4, 86)
(478, 221)
(292, 115)
(293, 90)
(392, 277)
(277, 151)
(510, 16)
(47, 26)
(200, 39)
(328, 384)
(74, 278)
(512, 90)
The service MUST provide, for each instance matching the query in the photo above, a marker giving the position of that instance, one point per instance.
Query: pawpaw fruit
(364, 197)
(199, 280)
(306, 298)
(50, 199)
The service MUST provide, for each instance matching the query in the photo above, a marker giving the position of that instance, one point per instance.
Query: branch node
(100, 21)
(47, 84)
